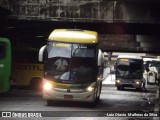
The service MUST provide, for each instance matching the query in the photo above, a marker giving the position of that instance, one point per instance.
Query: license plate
(68, 96)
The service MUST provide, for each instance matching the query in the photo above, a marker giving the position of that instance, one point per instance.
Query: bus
(129, 72)
(152, 70)
(27, 71)
(73, 68)
(5, 64)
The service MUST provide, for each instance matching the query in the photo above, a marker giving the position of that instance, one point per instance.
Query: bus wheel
(98, 97)
(99, 93)
(138, 89)
(51, 102)
(96, 94)
(118, 88)
(36, 84)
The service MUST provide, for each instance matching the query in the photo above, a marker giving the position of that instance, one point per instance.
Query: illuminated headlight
(47, 86)
(137, 82)
(100, 77)
(90, 88)
(118, 81)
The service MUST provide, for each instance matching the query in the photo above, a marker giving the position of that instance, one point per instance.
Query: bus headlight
(47, 86)
(118, 81)
(138, 82)
(98, 78)
(90, 88)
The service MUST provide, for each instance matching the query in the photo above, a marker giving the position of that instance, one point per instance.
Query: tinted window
(130, 68)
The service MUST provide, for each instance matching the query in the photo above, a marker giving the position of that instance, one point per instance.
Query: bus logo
(6, 114)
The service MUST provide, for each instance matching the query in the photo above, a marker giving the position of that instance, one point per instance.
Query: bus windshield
(71, 63)
(130, 69)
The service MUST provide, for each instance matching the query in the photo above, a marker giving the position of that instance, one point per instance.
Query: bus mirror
(41, 52)
(100, 58)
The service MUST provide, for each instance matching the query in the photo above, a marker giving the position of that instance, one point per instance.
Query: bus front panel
(70, 72)
(129, 73)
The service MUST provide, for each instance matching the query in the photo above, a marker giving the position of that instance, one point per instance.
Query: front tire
(99, 92)
(118, 88)
(49, 102)
(140, 88)
(36, 84)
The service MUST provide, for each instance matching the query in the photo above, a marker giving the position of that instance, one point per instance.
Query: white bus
(73, 68)
(129, 72)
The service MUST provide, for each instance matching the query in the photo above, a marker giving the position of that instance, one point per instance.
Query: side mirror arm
(41, 54)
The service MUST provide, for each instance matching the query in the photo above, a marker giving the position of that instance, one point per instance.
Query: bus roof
(151, 59)
(74, 36)
(132, 57)
(6, 40)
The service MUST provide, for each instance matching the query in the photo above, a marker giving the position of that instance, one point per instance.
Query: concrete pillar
(148, 41)
(109, 57)
(137, 11)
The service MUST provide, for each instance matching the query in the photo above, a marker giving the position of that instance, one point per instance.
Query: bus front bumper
(137, 84)
(69, 95)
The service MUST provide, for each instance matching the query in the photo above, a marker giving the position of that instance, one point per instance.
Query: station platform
(108, 79)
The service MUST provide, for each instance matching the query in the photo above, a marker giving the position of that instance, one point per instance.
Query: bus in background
(73, 68)
(5, 64)
(129, 72)
(27, 71)
(152, 70)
